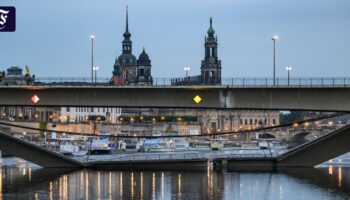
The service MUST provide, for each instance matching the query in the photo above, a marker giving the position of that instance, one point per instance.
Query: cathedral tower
(211, 65)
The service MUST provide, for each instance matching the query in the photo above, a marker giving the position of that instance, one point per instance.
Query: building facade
(127, 69)
(210, 65)
(83, 114)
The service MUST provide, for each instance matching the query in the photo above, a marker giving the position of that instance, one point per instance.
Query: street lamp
(187, 69)
(274, 38)
(95, 69)
(289, 68)
(92, 37)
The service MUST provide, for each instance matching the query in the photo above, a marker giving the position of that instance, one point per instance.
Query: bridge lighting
(274, 38)
(95, 69)
(24, 133)
(141, 117)
(295, 125)
(36, 116)
(306, 124)
(187, 69)
(92, 38)
(162, 117)
(289, 68)
(330, 123)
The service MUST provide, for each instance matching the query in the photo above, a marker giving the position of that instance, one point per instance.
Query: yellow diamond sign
(197, 99)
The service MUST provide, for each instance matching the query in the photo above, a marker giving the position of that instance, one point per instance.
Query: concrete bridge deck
(309, 154)
(321, 98)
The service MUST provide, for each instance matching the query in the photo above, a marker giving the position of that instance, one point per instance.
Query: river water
(23, 180)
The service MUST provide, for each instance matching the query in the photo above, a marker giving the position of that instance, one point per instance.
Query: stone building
(234, 120)
(127, 69)
(210, 65)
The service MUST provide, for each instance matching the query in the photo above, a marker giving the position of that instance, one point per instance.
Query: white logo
(3, 17)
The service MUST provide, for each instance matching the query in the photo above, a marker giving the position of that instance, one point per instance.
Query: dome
(211, 31)
(127, 59)
(144, 58)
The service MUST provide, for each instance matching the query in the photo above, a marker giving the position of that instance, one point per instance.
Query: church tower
(211, 65)
(144, 69)
(125, 67)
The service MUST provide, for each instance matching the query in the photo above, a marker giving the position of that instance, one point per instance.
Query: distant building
(82, 114)
(210, 65)
(14, 76)
(235, 120)
(127, 69)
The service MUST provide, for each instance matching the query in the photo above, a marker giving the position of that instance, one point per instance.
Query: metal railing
(238, 82)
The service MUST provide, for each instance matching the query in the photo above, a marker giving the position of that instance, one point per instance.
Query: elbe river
(23, 180)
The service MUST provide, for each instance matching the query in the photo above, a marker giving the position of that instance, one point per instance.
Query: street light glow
(92, 37)
(289, 68)
(275, 37)
(95, 68)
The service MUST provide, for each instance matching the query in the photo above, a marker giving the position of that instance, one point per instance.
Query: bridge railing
(239, 82)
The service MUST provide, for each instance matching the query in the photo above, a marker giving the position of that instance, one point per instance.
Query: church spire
(211, 30)
(127, 34)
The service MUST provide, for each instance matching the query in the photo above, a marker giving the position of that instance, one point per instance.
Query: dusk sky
(52, 36)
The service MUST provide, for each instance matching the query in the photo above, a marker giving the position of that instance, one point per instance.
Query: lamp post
(95, 69)
(274, 38)
(92, 37)
(187, 69)
(289, 68)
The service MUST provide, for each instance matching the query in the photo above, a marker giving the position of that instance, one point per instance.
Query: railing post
(299, 81)
(344, 82)
(243, 81)
(232, 82)
(311, 81)
(333, 81)
(266, 81)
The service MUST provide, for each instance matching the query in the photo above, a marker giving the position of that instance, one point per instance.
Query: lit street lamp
(187, 69)
(92, 37)
(289, 68)
(95, 69)
(274, 38)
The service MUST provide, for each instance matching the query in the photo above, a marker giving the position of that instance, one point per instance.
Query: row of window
(255, 122)
(86, 109)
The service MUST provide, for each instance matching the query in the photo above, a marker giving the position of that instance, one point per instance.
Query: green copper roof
(211, 31)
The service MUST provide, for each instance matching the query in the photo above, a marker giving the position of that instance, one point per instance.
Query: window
(251, 121)
(245, 121)
(241, 121)
(142, 72)
(68, 109)
(274, 121)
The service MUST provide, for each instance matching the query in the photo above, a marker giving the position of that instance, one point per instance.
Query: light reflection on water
(21, 180)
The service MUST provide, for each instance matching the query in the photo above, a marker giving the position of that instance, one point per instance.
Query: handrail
(239, 82)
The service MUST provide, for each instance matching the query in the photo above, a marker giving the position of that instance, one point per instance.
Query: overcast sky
(52, 36)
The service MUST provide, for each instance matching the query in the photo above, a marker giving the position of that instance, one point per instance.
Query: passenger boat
(101, 146)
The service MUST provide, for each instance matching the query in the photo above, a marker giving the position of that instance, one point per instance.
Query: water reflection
(27, 182)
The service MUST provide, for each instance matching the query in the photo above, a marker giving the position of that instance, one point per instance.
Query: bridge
(308, 154)
(322, 94)
(216, 97)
